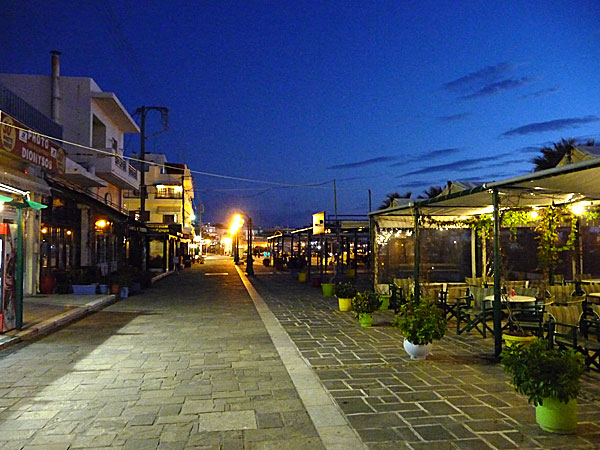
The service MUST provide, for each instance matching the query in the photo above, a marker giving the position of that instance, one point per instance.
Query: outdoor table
(595, 295)
(513, 298)
(591, 281)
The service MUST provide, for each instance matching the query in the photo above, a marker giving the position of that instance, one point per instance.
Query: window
(169, 191)
(169, 218)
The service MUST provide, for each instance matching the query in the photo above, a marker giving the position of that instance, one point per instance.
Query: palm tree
(389, 201)
(551, 156)
(432, 191)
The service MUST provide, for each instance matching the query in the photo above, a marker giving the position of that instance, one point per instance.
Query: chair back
(479, 294)
(431, 292)
(475, 281)
(558, 279)
(454, 292)
(590, 288)
(406, 284)
(528, 292)
(560, 294)
(383, 289)
(514, 284)
(565, 315)
(596, 310)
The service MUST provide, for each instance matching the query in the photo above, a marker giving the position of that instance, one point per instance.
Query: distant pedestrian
(176, 263)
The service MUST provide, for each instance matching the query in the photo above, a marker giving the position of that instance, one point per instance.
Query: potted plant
(364, 304)
(47, 282)
(516, 334)
(329, 287)
(83, 283)
(345, 292)
(549, 377)
(420, 322)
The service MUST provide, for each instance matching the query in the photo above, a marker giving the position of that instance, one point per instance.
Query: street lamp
(238, 222)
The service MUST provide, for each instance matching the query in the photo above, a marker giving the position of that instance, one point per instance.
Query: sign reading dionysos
(19, 140)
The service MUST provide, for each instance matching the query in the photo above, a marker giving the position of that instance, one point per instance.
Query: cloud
(480, 77)
(428, 155)
(540, 93)
(551, 125)
(414, 184)
(461, 164)
(366, 162)
(497, 87)
(454, 117)
(441, 152)
(529, 149)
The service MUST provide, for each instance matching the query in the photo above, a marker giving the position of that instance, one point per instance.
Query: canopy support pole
(417, 244)
(19, 272)
(497, 282)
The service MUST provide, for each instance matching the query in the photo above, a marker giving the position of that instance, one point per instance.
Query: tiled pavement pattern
(458, 399)
(188, 364)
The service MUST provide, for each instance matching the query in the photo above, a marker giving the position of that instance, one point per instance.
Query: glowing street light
(238, 222)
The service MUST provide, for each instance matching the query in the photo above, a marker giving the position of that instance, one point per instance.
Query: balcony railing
(169, 196)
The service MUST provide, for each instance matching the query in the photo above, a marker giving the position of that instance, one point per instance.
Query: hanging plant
(548, 238)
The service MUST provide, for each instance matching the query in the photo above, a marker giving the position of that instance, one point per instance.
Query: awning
(560, 185)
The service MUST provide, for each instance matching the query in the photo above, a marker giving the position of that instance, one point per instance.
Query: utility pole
(143, 110)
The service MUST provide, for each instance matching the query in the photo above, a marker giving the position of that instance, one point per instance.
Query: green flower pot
(345, 304)
(385, 301)
(555, 416)
(328, 289)
(365, 320)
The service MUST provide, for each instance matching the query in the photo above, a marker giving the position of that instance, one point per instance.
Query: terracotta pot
(47, 284)
(114, 289)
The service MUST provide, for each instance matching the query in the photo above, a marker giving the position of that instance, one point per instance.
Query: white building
(92, 118)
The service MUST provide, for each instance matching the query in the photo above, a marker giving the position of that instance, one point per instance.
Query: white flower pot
(417, 351)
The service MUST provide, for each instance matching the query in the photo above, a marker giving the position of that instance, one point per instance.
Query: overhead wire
(319, 185)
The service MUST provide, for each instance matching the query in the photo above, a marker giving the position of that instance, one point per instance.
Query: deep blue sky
(388, 96)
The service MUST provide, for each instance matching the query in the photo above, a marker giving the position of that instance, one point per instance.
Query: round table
(513, 298)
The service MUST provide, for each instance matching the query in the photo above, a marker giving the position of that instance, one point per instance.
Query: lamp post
(238, 222)
(250, 260)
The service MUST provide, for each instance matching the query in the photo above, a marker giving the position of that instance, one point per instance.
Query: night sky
(388, 96)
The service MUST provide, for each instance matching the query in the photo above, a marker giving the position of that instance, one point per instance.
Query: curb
(160, 276)
(52, 324)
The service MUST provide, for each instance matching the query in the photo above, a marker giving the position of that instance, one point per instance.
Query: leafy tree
(551, 156)
(389, 201)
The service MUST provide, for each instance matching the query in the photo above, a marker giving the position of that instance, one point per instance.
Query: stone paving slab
(187, 364)
(458, 399)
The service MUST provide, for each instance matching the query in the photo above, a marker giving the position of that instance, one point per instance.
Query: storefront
(25, 158)
(163, 243)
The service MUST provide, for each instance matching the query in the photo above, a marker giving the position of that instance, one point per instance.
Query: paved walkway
(197, 362)
(43, 314)
(188, 364)
(458, 399)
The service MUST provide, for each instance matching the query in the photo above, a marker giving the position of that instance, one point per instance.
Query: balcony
(117, 171)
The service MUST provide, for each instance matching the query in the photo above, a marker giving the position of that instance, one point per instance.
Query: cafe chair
(449, 299)
(473, 312)
(568, 329)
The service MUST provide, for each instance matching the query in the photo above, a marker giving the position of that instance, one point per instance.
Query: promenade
(212, 359)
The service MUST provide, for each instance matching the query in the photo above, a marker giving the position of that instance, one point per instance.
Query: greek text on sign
(30, 146)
